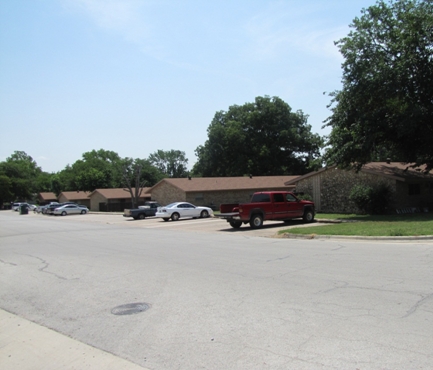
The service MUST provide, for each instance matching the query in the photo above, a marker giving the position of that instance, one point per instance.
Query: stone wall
(424, 199)
(112, 205)
(84, 201)
(215, 198)
(95, 199)
(335, 187)
(166, 194)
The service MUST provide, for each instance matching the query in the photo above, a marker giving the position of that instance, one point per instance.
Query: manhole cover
(130, 308)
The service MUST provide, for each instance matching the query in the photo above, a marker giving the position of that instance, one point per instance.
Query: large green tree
(385, 106)
(172, 163)
(262, 138)
(21, 178)
(98, 169)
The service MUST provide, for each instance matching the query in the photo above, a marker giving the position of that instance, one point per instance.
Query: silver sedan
(181, 210)
(70, 209)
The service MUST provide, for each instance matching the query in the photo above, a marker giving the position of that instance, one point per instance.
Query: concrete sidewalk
(25, 345)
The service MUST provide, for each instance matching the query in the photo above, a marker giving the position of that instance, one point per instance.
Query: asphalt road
(216, 298)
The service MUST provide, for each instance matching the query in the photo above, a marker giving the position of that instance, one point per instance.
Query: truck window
(290, 198)
(260, 198)
(278, 198)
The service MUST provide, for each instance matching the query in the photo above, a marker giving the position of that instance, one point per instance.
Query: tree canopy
(263, 138)
(385, 107)
(172, 163)
(98, 169)
(20, 178)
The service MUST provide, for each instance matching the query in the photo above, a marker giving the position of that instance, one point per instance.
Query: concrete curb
(25, 345)
(106, 213)
(355, 237)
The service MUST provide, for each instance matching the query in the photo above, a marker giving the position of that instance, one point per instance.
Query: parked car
(70, 209)
(16, 206)
(52, 206)
(181, 210)
(44, 209)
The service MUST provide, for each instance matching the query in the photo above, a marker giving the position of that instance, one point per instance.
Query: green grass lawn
(415, 224)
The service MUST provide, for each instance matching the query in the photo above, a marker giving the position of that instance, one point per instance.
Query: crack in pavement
(8, 263)
(42, 269)
(417, 305)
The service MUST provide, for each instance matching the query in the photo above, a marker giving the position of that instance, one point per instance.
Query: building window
(199, 196)
(414, 189)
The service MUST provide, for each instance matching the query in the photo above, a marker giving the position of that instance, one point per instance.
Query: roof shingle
(46, 196)
(203, 184)
(397, 170)
(118, 193)
(74, 195)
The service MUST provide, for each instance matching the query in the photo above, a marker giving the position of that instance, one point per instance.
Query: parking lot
(201, 225)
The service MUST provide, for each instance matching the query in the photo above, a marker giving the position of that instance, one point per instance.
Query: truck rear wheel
(308, 215)
(256, 221)
(236, 224)
(141, 216)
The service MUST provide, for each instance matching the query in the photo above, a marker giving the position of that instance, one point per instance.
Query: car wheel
(141, 216)
(204, 214)
(175, 216)
(64, 213)
(236, 224)
(83, 212)
(256, 221)
(165, 219)
(308, 215)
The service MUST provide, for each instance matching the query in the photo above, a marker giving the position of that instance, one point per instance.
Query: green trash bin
(24, 209)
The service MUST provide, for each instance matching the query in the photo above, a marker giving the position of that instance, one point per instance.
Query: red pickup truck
(267, 205)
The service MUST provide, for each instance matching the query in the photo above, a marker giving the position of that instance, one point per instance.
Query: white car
(181, 210)
(16, 206)
(70, 209)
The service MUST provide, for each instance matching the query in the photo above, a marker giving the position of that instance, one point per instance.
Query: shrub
(369, 199)
(303, 196)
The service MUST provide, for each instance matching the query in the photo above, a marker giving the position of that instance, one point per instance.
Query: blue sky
(135, 76)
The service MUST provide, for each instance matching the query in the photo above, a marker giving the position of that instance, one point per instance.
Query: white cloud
(125, 17)
(281, 31)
